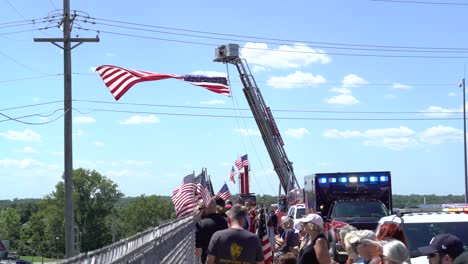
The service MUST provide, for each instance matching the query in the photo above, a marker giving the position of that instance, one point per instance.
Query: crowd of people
(226, 233)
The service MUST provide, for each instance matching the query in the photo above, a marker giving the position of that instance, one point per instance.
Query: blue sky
(333, 62)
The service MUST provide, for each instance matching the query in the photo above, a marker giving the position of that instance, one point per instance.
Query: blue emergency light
(333, 180)
(362, 179)
(383, 178)
(373, 179)
(343, 179)
(323, 180)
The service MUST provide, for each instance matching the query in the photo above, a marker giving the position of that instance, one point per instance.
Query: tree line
(103, 215)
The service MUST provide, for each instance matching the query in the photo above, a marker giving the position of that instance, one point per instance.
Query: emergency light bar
(456, 209)
(353, 179)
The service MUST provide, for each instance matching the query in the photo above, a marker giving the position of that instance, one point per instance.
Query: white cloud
(98, 144)
(353, 80)
(248, 132)
(452, 94)
(294, 80)
(257, 68)
(137, 162)
(79, 133)
(109, 54)
(335, 133)
(401, 86)
(120, 173)
(399, 143)
(341, 90)
(295, 56)
(342, 99)
(137, 119)
(437, 111)
(29, 150)
(210, 73)
(298, 133)
(26, 135)
(21, 164)
(213, 102)
(441, 134)
(84, 120)
(85, 164)
(92, 69)
(391, 138)
(401, 131)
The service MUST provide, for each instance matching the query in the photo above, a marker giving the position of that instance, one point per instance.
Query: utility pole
(464, 140)
(67, 103)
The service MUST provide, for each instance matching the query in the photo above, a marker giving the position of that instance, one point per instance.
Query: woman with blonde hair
(315, 249)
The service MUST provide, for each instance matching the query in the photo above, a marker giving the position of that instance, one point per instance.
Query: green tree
(10, 225)
(145, 212)
(94, 199)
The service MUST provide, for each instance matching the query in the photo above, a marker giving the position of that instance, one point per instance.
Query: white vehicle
(297, 211)
(421, 225)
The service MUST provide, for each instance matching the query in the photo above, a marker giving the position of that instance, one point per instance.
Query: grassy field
(39, 259)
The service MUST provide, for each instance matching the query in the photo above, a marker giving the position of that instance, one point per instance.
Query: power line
(281, 40)
(422, 2)
(29, 78)
(31, 105)
(282, 118)
(17, 119)
(274, 110)
(276, 43)
(286, 51)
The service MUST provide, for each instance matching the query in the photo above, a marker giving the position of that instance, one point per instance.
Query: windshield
(300, 213)
(359, 209)
(420, 234)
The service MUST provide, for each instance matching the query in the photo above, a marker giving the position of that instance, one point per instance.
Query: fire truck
(263, 116)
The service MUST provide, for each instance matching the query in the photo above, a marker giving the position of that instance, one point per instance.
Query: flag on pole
(119, 80)
(224, 192)
(203, 190)
(232, 175)
(242, 161)
(263, 235)
(183, 197)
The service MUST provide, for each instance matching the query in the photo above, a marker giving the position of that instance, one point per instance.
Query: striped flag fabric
(203, 190)
(224, 192)
(119, 80)
(242, 161)
(183, 197)
(232, 175)
(263, 235)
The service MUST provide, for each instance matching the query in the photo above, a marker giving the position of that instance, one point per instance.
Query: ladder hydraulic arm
(266, 123)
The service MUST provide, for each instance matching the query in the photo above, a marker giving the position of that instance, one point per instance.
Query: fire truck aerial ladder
(229, 53)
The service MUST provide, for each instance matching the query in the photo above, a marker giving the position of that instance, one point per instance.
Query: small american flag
(232, 175)
(183, 197)
(263, 235)
(242, 161)
(203, 190)
(224, 192)
(119, 80)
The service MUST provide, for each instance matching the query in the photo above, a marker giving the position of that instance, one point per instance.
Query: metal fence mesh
(170, 243)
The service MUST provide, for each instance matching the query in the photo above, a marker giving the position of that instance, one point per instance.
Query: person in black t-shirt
(235, 244)
(208, 225)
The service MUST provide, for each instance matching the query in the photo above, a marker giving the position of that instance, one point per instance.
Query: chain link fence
(170, 243)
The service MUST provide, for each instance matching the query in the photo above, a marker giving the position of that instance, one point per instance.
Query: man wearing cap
(445, 249)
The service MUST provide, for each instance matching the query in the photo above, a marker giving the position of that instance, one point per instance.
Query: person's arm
(210, 259)
(198, 252)
(321, 251)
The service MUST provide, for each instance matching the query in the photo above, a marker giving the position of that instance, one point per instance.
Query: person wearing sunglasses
(445, 249)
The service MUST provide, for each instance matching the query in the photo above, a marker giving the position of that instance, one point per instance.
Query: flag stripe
(119, 80)
(224, 192)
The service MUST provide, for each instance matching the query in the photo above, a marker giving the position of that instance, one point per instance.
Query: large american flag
(119, 80)
(203, 190)
(242, 161)
(224, 192)
(263, 235)
(232, 175)
(183, 197)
